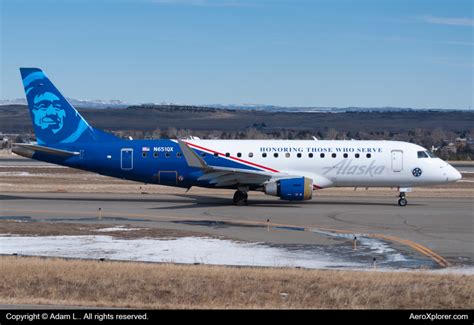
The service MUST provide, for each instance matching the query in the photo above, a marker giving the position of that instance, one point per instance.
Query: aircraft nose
(453, 174)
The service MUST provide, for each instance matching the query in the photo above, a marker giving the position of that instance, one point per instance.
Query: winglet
(191, 157)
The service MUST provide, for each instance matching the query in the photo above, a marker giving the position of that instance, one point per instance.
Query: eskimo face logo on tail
(54, 119)
(48, 112)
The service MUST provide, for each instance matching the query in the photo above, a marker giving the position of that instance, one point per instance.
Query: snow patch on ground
(376, 246)
(19, 174)
(190, 250)
(186, 250)
(119, 228)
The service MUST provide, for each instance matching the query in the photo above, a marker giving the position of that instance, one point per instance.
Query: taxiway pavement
(441, 225)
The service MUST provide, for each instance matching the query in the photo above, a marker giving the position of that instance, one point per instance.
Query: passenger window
(239, 154)
(155, 154)
(287, 155)
(227, 154)
(369, 155)
(178, 154)
(167, 155)
(298, 155)
(321, 155)
(275, 155)
(422, 154)
(310, 155)
(144, 154)
(216, 155)
(334, 155)
(345, 155)
(250, 154)
(357, 155)
(264, 154)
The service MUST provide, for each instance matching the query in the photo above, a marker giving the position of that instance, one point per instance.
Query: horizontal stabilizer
(27, 150)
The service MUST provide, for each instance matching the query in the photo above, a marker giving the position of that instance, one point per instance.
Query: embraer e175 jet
(288, 169)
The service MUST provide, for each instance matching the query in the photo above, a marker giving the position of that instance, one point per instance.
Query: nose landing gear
(402, 201)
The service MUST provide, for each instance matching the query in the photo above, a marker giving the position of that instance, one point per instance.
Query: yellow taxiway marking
(422, 249)
(415, 246)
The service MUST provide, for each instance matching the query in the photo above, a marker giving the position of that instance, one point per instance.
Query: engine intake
(292, 189)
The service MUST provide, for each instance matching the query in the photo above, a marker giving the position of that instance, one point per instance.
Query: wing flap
(211, 175)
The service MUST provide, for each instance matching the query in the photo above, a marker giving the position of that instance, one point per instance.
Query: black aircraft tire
(402, 202)
(240, 198)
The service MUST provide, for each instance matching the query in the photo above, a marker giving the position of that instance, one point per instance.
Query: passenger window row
(156, 155)
(321, 155)
(264, 155)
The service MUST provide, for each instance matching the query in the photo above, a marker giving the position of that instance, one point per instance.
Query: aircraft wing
(225, 176)
(221, 176)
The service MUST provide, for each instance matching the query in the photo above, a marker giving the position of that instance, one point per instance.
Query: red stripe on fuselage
(238, 159)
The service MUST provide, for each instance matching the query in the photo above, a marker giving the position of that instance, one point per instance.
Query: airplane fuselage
(328, 163)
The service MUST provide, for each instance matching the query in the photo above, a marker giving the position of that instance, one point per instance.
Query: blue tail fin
(55, 120)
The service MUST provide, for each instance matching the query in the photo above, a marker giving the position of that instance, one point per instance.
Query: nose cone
(453, 174)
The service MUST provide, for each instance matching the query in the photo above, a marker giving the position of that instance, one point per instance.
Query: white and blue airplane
(288, 169)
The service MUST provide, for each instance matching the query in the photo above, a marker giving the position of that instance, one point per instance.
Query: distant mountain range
(115, 103)
(98, 103)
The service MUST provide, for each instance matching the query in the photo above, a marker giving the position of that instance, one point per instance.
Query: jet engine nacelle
(292, 189)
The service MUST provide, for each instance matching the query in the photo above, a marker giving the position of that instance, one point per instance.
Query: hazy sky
(407, 53)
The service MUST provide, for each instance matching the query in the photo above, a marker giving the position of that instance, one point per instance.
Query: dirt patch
(72, 229)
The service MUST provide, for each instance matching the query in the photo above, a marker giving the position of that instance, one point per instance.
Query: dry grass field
(28, 280)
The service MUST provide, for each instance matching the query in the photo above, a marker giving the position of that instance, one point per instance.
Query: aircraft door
(397, 160)
(168, 177)
(126, 159)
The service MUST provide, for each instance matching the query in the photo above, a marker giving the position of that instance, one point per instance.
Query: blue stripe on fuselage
(94, 158)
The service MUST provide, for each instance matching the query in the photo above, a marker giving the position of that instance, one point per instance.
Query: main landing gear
(240, 198)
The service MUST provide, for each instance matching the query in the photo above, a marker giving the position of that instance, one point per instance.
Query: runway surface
(439, 229)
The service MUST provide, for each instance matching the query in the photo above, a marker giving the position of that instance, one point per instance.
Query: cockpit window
(429, 153)
(422, 154)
